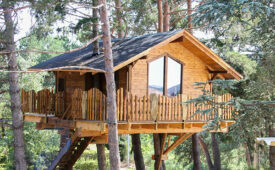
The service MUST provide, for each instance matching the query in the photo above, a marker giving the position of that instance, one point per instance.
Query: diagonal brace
(177, 142)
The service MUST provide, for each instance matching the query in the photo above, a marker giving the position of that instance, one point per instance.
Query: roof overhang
(70, 69)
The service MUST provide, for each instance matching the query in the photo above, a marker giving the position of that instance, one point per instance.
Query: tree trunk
(216, 152)
(247, 153)
(95, 28)
(189, 12)
(136, 147)
(111, 90)
(17, 117)
(196, 152)
(272, 148)
(119, 19)
(157, 144)
(166, 19)
(160, 16)
(206, 153)
(101, 158)
(255, 156)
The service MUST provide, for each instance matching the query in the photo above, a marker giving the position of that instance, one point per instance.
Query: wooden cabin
(154, 76)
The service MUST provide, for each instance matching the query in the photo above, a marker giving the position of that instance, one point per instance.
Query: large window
(165, 76)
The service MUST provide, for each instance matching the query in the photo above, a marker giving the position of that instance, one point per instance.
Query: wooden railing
(43, 102)
(91, 105)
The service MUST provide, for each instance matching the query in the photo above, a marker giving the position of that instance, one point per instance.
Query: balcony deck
(146, 114)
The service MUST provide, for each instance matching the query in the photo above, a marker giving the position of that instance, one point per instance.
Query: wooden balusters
(91, 105)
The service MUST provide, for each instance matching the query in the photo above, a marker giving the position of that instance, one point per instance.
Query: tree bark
(255, 156)
(196, 152)
(160, 16)
(17, 117)
(206, 153)
(247, 153)
(216, 152)
(136, 147)
(166, 18)
(119, 19)
(189, 12)
(157, 144)
(95, 28)
(111, 90)
(101, 158)
(272, 148)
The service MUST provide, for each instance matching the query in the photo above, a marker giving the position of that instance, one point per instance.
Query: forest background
(240, 31)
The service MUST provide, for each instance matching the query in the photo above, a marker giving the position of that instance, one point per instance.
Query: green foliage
(241, 63)
(88, 159)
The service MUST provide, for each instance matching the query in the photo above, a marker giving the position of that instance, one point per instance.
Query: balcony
(91, 106)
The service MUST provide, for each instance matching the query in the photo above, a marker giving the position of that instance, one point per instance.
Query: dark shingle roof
(122, 51)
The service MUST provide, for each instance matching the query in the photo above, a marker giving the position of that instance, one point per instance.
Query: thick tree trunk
(101, 158)
(17, 117)
(216, 152)
(138, 157)
(189, 12)
(196, 152)
(157, 144)
(206, 153)
(166, 19)
(95, 28)
(119, 19)
(111, 90)
(255, 156)
(272, 148)
(247, 153)
(160, 16)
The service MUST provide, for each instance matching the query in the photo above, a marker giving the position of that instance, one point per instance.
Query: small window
(165, 76)
(61, 84)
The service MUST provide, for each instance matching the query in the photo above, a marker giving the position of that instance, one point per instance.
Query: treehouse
(154, 76)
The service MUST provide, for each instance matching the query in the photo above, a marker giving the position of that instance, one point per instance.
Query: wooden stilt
(159, 158)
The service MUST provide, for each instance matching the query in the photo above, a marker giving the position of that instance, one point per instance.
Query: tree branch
(47, 52)
(55, 68)
(16, 9)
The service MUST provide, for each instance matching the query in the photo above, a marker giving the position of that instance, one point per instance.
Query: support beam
(216, 72)
(159, 158)
(177, 142)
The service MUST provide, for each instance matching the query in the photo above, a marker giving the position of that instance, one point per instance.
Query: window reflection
(173, 77)
(157, 68)
(156, 76)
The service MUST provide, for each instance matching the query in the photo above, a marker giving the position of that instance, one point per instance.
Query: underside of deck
(100, 128)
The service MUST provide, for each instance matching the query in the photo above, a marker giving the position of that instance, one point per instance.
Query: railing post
(184, 106)
(84, 105)
(154, 106)
(219, 105)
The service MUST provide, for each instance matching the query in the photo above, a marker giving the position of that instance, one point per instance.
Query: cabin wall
(122, 78)
(73, 80)
(194, 69)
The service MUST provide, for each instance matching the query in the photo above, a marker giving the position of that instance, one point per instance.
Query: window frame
(165, 71)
